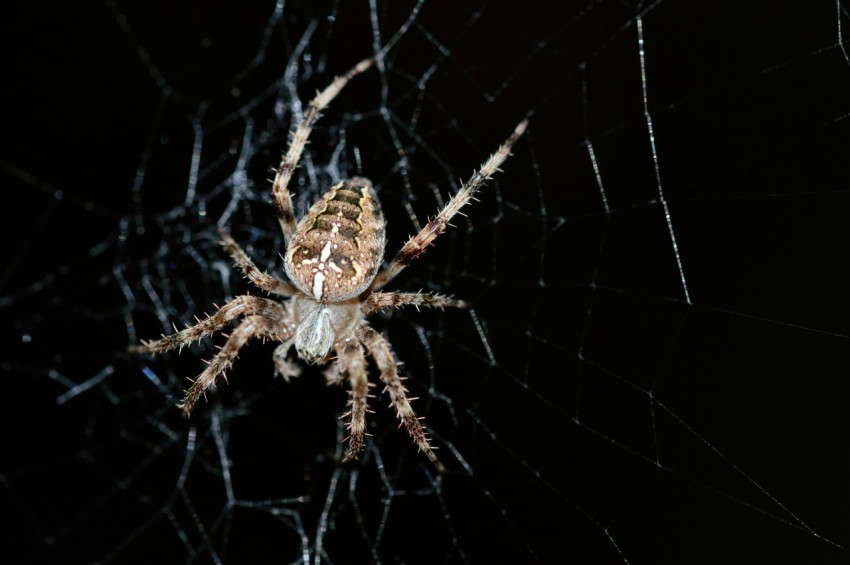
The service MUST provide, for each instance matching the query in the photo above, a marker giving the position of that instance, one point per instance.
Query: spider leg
(283, 366)
(417, 244)
(282, 196)
(252, 326)
(335, 371)
(380, 300)
(239, 306)
(353, 363)
(259, 278)
(380, 350)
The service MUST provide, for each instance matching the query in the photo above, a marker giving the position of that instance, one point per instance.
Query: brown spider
(332, 259)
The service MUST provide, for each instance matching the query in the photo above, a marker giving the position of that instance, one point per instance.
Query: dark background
(619, 420)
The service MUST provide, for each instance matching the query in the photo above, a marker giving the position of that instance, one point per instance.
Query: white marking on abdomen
(318, 285)
(326, 252)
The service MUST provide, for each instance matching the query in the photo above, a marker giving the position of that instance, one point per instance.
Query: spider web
(655, 365)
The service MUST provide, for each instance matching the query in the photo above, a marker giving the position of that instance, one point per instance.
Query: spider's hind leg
(297, 142)
(252, 326)
(352, 362)
(381, 351)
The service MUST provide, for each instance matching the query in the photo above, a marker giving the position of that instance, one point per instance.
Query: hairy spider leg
(240, 306)
(251, 327)
(417, 244)
(353, 363)
(381, 351)
(282, 196)
(380, 300)
(258, 277)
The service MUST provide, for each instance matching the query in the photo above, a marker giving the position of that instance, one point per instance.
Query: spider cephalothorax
(332, 259)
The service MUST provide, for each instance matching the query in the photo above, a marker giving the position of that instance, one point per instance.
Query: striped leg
(381, 351)
(380, 300)
(417, 244)
(282, 196)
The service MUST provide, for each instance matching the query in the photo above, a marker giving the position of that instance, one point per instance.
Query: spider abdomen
(338, 246)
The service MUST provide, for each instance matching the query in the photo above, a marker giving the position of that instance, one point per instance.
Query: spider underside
(333, 255)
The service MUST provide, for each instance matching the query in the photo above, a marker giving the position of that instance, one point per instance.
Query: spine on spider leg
(497, 158)
(477, 180)
(482, 175)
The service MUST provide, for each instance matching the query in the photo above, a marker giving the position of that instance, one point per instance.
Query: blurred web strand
(838, 17)
(655, 165)
(380, 53)
(86, 385)
(592, 154)
(482, 333)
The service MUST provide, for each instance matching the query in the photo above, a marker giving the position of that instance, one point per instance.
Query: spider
(332, 260)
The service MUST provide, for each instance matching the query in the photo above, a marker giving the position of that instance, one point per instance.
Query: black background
(621, 421)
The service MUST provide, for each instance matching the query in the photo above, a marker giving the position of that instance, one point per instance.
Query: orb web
(654, 366)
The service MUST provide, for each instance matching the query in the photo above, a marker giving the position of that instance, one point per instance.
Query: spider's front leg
(239, 306)
(382, 353)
